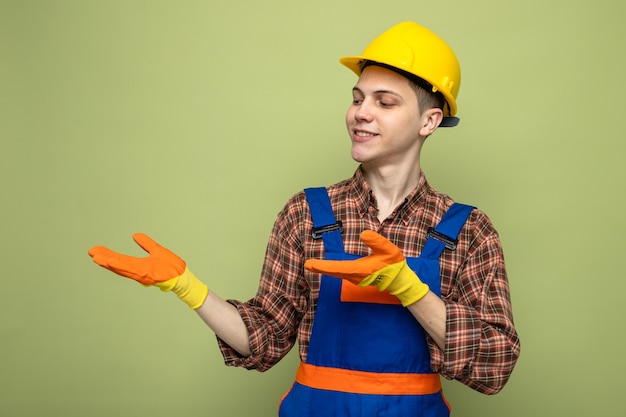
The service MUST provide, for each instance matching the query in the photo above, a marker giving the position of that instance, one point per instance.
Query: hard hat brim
(354, 63)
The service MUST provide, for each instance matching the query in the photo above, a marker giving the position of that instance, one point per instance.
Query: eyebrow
(358, 90)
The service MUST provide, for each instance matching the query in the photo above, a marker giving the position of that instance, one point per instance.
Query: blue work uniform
(368, 355)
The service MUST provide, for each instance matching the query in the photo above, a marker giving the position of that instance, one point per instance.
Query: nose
(362, 111)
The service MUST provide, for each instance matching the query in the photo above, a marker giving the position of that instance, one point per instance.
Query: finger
(316, 265)
(101, 255)
(342, 269)
(95, 250)
(124, 265)
(374, 240)
(169, 266)
(382, 247)
(145, 242)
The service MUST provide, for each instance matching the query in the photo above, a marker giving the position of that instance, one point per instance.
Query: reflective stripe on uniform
(359, 382)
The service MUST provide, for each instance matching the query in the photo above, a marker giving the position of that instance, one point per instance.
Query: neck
(391, 185)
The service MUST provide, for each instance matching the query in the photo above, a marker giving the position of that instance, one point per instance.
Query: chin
(358, 158)
(360, 155)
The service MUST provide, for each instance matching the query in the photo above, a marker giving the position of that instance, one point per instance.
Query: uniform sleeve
(481, 345)
(272, 317)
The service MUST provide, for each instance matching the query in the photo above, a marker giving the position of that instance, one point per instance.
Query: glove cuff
(188, 288)
(399, 280)
(408, 287)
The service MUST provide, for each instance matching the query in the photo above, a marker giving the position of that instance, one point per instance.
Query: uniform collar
(365, 199)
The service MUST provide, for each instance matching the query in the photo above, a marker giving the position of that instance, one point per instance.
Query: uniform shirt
(481, 345)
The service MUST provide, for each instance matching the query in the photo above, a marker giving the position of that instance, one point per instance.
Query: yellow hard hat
(416, 50)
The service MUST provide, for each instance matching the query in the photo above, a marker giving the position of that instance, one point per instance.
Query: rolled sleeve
(481, 343)
(274, 316)
(269, 342)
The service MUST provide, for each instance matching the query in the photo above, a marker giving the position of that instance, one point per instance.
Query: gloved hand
(385, 268)
(162, 268)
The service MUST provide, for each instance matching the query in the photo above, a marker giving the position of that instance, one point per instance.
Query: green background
(194, 121)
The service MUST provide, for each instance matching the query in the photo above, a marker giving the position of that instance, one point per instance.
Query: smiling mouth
(363, 134)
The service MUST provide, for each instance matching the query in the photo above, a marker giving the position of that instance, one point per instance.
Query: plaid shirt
(481, 345)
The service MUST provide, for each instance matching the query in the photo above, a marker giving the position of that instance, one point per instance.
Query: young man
(384, 282)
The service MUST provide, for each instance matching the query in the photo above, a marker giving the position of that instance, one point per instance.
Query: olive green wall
(194, 121)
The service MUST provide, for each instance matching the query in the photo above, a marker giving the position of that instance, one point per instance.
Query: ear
(430, 121)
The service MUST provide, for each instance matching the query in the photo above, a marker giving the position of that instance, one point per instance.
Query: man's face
(384, 120)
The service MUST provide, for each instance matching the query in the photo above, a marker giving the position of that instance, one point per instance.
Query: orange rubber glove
(385, 268)
(162, 268)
